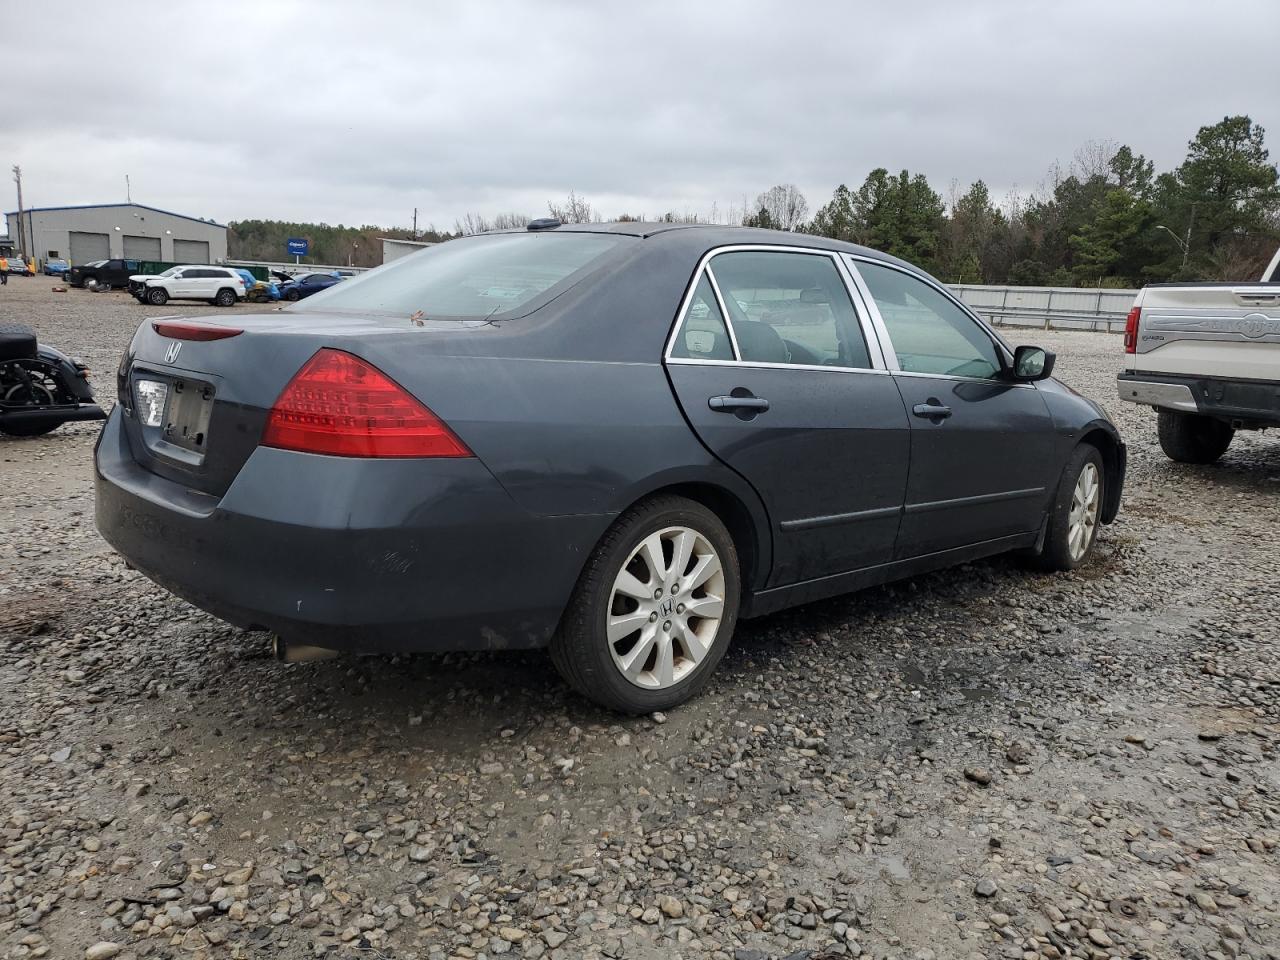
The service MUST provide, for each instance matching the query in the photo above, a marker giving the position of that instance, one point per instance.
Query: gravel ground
(978, 763)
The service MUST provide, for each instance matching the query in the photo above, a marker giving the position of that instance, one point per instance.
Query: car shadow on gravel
(429, 696)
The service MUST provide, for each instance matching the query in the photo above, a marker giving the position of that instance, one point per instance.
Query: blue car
(56, 268)
(307, 284)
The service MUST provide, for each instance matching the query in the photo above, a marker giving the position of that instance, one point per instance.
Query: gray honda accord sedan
(612, 440)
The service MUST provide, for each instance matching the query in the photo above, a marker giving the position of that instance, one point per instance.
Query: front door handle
(932, 410)
(734, 404)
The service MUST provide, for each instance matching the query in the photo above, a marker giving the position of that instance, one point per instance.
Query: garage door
(191, 251)
(89, 246)
(142, 248)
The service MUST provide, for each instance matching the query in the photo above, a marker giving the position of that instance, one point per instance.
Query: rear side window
(790, 308)
(475, 277)
(703, 335)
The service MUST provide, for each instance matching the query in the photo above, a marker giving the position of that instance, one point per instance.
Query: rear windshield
(472, 277)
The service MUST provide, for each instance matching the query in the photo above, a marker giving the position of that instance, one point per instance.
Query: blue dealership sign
(297, 246)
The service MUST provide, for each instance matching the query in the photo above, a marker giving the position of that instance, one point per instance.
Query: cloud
(357, 113)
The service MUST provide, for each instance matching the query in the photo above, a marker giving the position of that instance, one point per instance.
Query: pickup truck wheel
(157, 296)
(226, 298)
(1191, 438)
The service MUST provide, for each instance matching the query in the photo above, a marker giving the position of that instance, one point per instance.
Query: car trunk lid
(197, 393)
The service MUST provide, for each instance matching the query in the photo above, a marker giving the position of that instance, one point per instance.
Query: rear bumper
(349, 554)
(1246, 403)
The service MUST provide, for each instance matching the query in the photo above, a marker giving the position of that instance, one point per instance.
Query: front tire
(292, 295)
(226, 298)
(654, 609)
(157, 296)
(1191, 438)
(1074, 514)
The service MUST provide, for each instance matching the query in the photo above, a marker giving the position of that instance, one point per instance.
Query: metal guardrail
(1050, 308)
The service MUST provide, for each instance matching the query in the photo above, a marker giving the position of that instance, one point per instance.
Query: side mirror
(1032, 363)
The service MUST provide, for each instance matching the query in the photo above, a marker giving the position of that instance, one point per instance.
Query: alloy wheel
(665, 608)
(1083, 517)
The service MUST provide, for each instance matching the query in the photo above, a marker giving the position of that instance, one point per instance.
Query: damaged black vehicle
(40, 388)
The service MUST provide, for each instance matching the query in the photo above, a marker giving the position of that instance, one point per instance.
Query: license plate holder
(187, 414)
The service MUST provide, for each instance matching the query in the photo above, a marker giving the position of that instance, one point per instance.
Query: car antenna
(544, 223)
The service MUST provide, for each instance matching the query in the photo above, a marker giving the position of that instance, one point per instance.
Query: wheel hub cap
(1082, 520)
(665, 608)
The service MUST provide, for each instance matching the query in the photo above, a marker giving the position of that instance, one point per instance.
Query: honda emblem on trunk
(171, 354)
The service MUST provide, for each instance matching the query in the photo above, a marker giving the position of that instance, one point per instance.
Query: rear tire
(1191, 438)
(157, 296)
(1074, 515)
(226, 298)
(662, 651)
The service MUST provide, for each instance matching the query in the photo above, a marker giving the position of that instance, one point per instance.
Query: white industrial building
(393, 249)
(105, 230)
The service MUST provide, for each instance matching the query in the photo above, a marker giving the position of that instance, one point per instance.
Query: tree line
(1107, 219)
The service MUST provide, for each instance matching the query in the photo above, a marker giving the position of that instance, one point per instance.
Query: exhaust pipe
(299, 653)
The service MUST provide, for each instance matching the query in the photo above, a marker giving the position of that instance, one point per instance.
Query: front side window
(930, 333)
(473, 277)
(790, 308)
(703, 335)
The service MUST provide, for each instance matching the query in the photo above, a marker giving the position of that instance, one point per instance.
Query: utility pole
(1186, 246)
(17, 178)
(128, 191)
(415, 223)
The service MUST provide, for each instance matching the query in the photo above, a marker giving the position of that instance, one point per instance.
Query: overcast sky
(357, 112)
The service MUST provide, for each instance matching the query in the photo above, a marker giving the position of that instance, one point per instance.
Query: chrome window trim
(866, 319)
(768, 365)
(891, 355)
(869, 335)
(724, 312)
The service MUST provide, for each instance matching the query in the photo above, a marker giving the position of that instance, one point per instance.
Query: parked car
(306, 284)
(1206, 357)
(56, 268)
(557, 438)
(108, 274)
(16, 264)
(222, 286)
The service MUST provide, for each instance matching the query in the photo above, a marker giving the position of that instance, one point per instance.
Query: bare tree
(471, 223)
(785, 204)
(575, 209)
(510, 221)
(1093, 159)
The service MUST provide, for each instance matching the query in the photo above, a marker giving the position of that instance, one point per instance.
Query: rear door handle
(933, 410)
(733, 404)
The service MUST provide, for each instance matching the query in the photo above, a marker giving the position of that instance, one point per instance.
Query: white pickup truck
(1206, 356)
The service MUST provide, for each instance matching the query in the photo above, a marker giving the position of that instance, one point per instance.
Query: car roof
(712, 235)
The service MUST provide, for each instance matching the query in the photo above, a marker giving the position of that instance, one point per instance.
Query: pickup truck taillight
(1131, 330)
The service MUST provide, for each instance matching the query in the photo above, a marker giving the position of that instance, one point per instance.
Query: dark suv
(105, 273)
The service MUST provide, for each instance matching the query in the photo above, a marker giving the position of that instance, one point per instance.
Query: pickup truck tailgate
(1209, 330)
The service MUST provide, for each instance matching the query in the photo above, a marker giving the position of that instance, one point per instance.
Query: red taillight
(181, 330)
(340, 405)
(1131, 330)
